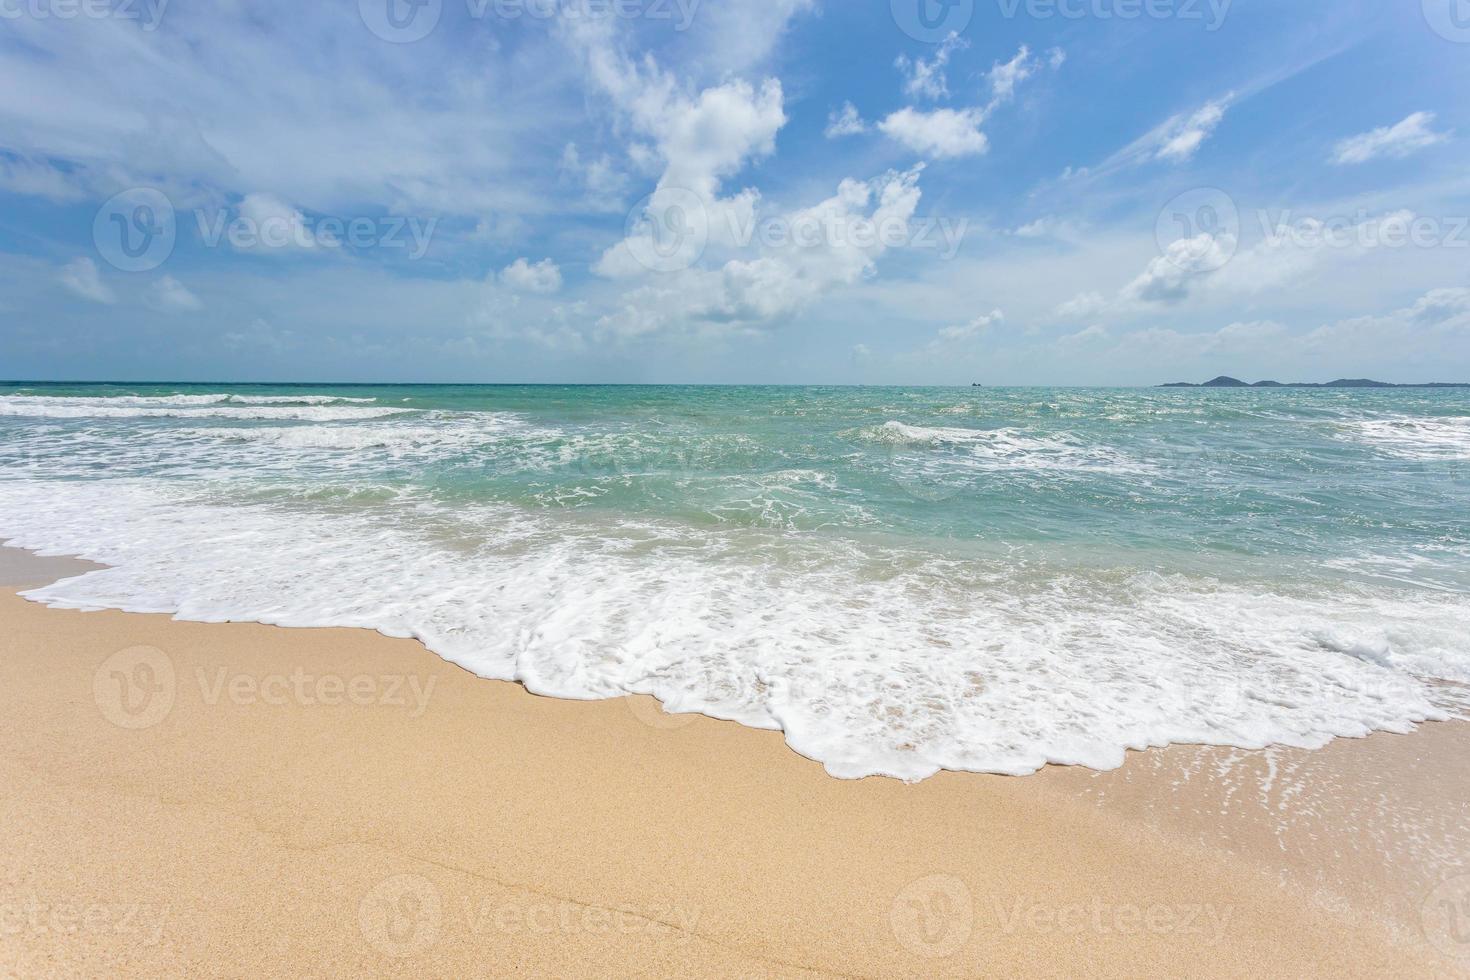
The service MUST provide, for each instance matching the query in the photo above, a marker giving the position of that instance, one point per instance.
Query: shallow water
(902, 580)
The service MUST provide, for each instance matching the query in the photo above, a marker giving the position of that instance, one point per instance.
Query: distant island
(1227, 382)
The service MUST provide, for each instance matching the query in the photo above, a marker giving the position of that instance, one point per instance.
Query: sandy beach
(226, 799)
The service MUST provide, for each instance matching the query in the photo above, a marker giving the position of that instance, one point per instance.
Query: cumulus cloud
(80, 276)
(845, 122)
(270, 225)
(941, 133)
(925, 79)
(168, 295)
(1170, 277)
(836, 242)
(1216, 266)
(544, 277)
(949, 133)
(1395, 142)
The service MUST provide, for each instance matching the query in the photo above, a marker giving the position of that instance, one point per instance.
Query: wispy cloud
(1395, 142)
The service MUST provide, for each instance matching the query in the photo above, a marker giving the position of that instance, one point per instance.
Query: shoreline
(302, 788)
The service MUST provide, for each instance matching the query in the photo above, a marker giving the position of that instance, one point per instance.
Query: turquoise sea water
(902, 580)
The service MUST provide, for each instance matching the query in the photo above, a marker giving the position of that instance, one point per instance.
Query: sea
(900, 580)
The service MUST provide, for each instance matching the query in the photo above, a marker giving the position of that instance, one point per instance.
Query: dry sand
(240, 799)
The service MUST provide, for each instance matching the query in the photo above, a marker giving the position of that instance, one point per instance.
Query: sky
(1012, 192)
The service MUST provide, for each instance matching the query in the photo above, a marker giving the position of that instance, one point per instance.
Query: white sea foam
(317, 408)
(176, 401)
(1006, 448)
(870, 660)
(1407, 437)
(438, 434)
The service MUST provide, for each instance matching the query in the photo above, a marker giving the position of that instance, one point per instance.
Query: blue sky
(788, 191)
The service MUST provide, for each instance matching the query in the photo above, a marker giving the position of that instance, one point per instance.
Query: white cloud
(780, 279)
(1082, 338)
(1049, 226)
(740, 34)
(948, 133)
(968, 331)
(269, 225)
(81, 277)
(845, 122)
(544, 277)
(232, 104)
(1437, 315)
(1083, 305)
(1170, 277)
(604, 186)
(1215, 267)
(1395, 142)
(1004, 77)
(941, 133)
(168, 295)
(39, 179)
(701, 139)
(926, 79)
(1181, 137)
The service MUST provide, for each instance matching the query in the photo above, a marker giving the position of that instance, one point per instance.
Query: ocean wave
(872, 661)
(308, 408)
(1407, 437)
(437, 433)
(1006, 448)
